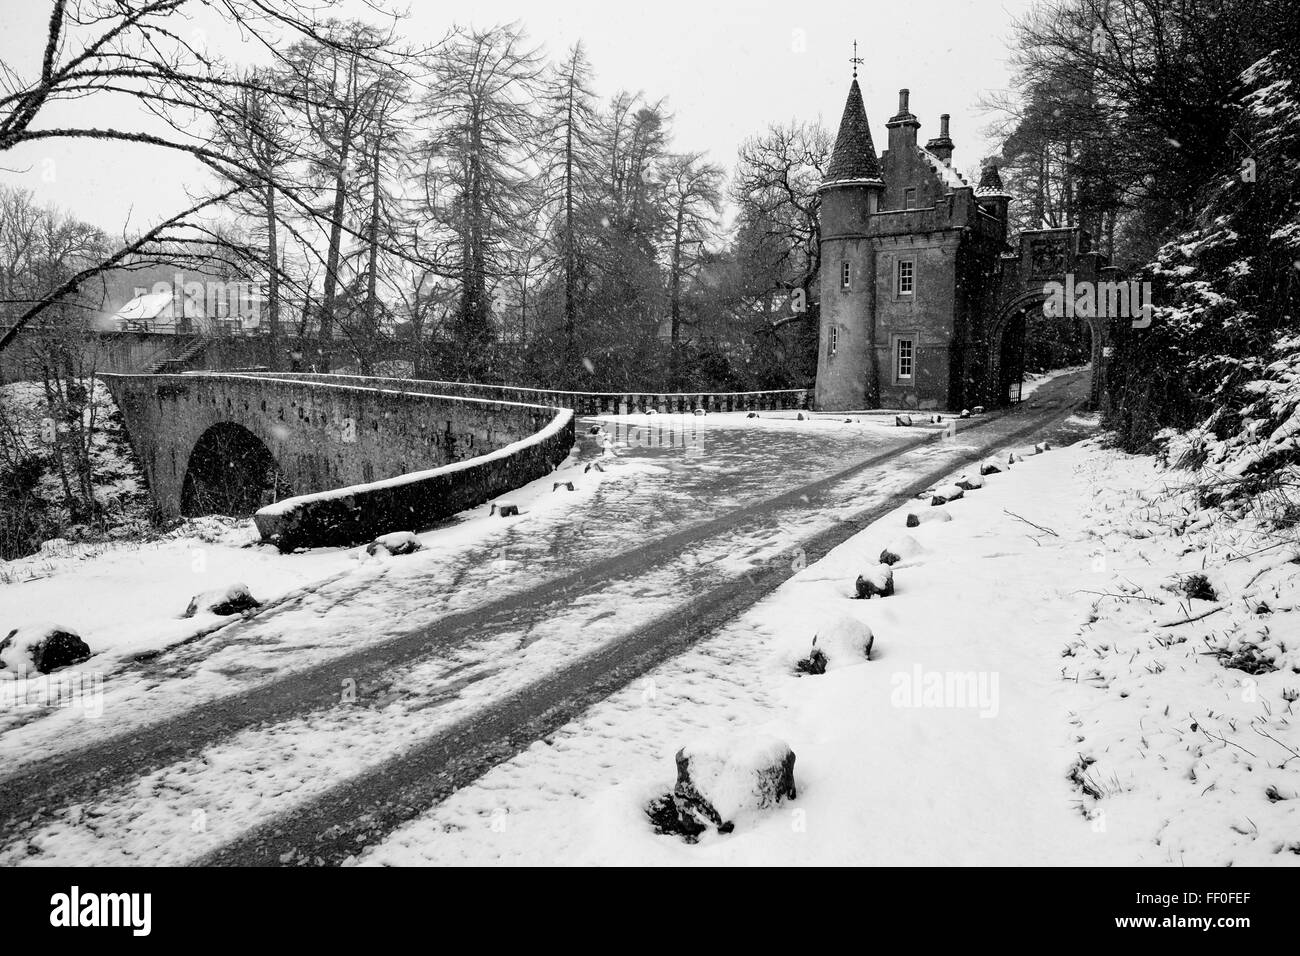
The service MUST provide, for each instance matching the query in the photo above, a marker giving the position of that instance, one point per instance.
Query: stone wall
(414, 501)
(322, 435)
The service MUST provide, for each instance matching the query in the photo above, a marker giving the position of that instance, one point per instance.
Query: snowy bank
(1041, 691)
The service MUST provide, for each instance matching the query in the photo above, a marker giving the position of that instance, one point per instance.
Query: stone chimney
(941, 145)
(902, 127)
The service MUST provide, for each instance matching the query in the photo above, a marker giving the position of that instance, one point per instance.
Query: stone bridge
(336, 460)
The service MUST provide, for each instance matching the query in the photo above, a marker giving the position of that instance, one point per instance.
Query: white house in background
(208, 307)
(152, 312)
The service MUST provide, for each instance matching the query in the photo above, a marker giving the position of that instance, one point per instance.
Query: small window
(845, 275)
(905, 353)
(835, 340)
(909, 198)
(906, 276)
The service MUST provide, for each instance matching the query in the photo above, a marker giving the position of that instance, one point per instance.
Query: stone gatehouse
(922, 297)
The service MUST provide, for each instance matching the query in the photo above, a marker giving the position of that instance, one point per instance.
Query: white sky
(726, 69)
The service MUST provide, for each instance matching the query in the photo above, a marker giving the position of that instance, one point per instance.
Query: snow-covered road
(358, 702)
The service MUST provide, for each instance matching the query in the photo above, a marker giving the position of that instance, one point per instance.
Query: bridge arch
(230, 471)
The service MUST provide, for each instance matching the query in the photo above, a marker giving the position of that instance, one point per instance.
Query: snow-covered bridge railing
(358, 459)
(584, 403)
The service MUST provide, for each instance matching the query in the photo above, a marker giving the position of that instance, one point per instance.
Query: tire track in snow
(39, 789)
(331, 828)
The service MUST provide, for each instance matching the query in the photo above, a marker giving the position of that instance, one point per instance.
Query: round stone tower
(850, 194)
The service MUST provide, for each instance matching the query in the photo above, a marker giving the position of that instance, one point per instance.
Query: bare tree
(480, 103)
(694, 197)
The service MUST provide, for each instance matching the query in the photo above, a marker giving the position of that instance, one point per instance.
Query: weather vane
(855, 59)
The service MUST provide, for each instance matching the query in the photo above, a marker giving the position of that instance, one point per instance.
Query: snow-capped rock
(398, 542)
(720, 780)
(878, 580)
(970, 482)
(915, 518)
(944, 494)
(841, 642)
(40, 649)
(234, 599)
(990, 467)
(900, 549)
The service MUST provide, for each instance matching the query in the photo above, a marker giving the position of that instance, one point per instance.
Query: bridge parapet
(407, 457)
(582, 403)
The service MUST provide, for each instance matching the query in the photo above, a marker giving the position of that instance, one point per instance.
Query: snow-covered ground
(1033, 381)
(659, 481)
(1060, 734)
(1036, 694)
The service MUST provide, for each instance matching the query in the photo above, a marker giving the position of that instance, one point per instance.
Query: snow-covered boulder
(40, 649)
(990, 467)
(944, 494)
(842, 642)
(916, 519)
(720, 780)
(878, 580)
(1013, 458)
(965, 413)
(900, 549)
(1041, 447)
(902, 421)
(398, 542)
(234, 599)
(970, 482)
(978, 409)
(800, 417)
(752, 415)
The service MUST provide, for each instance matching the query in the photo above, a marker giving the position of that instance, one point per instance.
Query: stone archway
(1010, 319)
(231, 472)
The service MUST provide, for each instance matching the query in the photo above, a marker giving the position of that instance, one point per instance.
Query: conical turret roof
(991, 183)
(854, 158)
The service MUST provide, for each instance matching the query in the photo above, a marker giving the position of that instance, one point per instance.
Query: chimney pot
(943, 125)
(902, 101)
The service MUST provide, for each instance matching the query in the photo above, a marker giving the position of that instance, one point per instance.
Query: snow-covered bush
(1214, 382)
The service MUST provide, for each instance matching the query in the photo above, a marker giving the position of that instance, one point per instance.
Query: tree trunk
(328, 302)
(368, 346)
(273, 279)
